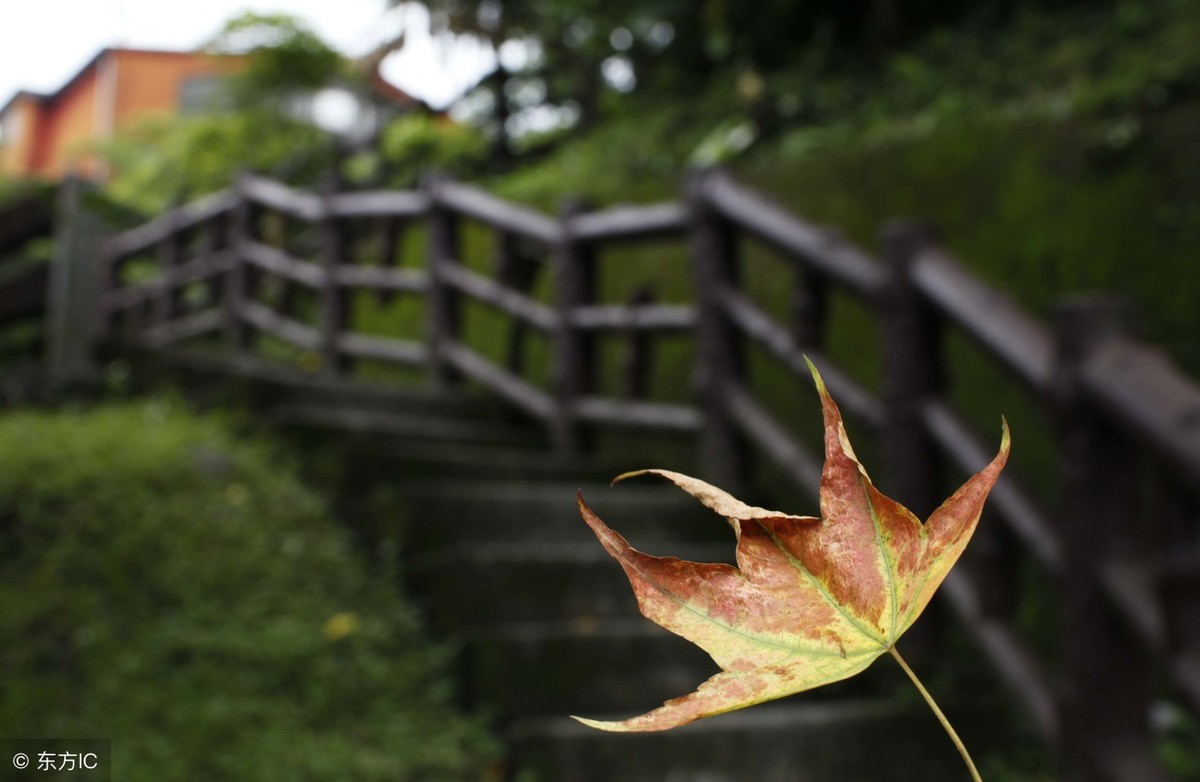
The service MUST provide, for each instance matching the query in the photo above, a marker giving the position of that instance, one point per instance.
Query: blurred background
(215, 539)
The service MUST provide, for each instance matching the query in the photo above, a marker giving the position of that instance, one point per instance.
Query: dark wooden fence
(1121, 546)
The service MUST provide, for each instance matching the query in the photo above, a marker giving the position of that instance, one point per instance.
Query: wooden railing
(24, 285)
(1120, 548)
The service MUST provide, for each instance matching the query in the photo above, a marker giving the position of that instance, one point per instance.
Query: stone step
(221, 376)
(315, 391)
(797, 739)
(591, 667)
(406, 426)
(649, 515)
(418, 463)
(586, 666)
(484, 585)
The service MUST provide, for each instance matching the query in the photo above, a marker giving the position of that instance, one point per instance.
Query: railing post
(515, 269)
(170, 255)
(911, 371)
(808, 307)
(1106, 672)
(575, 282)
(639, 346)
(911, 377)
(216, 238)
(335, 312)
(444, 311)
(237, 280)
(724, 455)
(74, 318)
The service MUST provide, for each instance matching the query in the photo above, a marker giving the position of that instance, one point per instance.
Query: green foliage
(181, 591)
(1051, 155)
(1179, 742)
(1039, 209)
(161, 162)
(284, 57)
(416, 143)
(167, 160)
(640, 155)
(1113, 62)
(11, 189)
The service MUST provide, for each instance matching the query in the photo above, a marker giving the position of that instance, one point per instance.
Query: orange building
(48, 135)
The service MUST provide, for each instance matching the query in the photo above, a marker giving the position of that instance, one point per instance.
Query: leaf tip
(816, 375)
(1005, 438)
(605, 725)
(584, 509)
(624, 475)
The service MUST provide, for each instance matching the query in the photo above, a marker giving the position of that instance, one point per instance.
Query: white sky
(44, 42)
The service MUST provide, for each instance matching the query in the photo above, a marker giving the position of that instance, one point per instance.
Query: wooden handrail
(181, 218)
(644, 317)
(816, 247)
(281, 198)
(629, 223)
(1151, 400)
(480, 205)
(988, 316)
(1119, 386)
(379, 203)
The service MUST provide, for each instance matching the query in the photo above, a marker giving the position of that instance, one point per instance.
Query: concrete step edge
(534, 554)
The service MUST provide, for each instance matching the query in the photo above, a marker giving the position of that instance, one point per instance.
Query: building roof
(383, 87)
(44, 97)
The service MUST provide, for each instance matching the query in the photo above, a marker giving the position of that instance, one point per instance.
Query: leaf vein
(889, 565)
(814, 652)
(821, 590)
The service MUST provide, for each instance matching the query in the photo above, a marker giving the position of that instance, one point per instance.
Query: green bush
(161, 161)
(416, 142)
(176, 589)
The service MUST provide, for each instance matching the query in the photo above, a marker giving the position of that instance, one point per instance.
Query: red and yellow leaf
(812, 600)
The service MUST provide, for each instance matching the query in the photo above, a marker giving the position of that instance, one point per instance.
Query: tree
(255, 124)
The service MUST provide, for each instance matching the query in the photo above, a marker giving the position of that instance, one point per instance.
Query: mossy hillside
(182, 592)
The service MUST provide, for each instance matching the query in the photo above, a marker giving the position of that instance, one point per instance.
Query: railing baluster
(639, 347)
(215, 240)
(911, 377)
(724, 453)
(170, 256)
(912, 373)
(515, 269)
(442, 300)
(1107, 672)
(390, 234)
(238, 333)
(575, 281)
(74, 320)
(335, 300)
(809, 307)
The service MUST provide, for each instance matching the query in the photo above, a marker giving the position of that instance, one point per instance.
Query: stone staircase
(498, 557)
(549, 627)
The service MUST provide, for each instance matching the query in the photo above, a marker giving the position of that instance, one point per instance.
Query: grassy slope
(181, 592)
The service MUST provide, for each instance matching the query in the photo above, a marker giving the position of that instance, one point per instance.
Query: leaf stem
(962, 750)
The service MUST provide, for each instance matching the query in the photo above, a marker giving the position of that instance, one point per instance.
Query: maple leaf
(812, 600)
